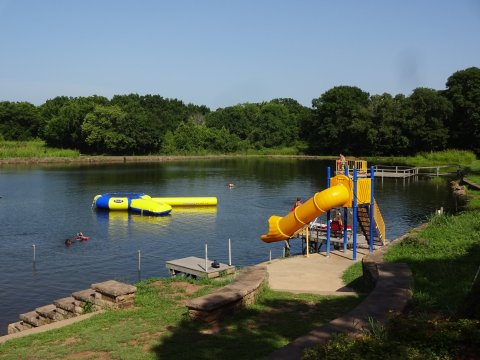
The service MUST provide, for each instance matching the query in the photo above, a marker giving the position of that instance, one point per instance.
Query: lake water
(42, 206)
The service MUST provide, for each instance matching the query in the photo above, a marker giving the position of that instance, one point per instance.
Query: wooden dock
(196, 267)
(406, 172)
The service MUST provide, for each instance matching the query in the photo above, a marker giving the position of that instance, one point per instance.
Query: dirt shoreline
(145, 159)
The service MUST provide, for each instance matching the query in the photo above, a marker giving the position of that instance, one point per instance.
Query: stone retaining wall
(106, 295)
(231, 298)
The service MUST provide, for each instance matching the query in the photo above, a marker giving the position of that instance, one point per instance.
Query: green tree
(105, 130)
(221, 141)
(169, 146)
(19, 121)
(156, 116)
(426, 122)
(388, 114)
(190, 138)
(64, 129)
(341, 122)
(299, 116)
(463, 90)
(274, 128)
(239, 119)
(50, 109)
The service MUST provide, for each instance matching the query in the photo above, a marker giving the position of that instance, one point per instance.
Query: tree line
(343, 119)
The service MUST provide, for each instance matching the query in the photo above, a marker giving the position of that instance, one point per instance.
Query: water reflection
(210, 210)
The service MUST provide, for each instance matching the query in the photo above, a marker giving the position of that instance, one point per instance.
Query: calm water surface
(42, 206)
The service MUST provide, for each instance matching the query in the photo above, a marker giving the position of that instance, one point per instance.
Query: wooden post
(229, 253)
(206, 258)
(270, 258)
(33, 252)
(139, 260)
(306, 237)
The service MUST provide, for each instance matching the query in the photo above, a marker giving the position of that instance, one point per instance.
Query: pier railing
(406, 171)
(394, 171)
(440, 170)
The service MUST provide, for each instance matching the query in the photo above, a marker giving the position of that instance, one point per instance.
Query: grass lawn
(32, 149)
(444, 258)
(473, 172)
(158, 327)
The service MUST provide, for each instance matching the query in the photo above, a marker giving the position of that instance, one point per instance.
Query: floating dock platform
(196, 267)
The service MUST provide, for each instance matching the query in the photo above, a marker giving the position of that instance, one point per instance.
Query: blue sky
(221, 53)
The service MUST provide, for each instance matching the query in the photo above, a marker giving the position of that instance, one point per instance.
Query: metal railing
(380, 223)
(394, 171)
(406, 171)
(360, 165)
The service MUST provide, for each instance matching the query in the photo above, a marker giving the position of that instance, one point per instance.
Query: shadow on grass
(255, 332)
(360, 286)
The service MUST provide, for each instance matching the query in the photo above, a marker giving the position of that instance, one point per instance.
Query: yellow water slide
(282, 228)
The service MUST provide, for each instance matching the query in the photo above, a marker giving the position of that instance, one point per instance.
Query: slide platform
(283, 228)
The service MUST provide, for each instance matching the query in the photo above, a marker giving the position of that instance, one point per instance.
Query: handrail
(380, 223)
(406, 171)
(360, 165)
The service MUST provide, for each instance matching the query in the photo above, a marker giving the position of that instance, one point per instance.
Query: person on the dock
(338, 218)
(343, 161)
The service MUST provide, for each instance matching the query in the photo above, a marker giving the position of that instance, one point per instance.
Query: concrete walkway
(321, 275)
(315, 274)
(389, 297)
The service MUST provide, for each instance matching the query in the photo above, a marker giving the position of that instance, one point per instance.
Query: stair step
(51, 312)
(69, 305)
(35, 319)
(18, 327)
(89, 296)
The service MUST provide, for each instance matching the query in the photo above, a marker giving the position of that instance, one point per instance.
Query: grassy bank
(446, 157)
(33, 149)
(444, 259)
(158, 328)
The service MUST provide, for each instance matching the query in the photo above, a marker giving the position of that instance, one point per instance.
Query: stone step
(105, 295)
(89, 296)
(35, 319)
(69, 305)
(18, 327)
(51, 312)
(115, 294)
